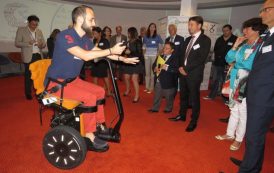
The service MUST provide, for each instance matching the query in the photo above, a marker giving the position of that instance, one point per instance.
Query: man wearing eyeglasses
(260, 97)
(31, 41)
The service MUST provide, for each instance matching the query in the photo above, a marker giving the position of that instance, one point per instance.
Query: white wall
(54, 14)
(241, 14)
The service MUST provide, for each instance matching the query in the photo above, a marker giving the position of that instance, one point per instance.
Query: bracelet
(110, 53)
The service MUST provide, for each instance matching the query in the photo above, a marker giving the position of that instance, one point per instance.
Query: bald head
(267, 13)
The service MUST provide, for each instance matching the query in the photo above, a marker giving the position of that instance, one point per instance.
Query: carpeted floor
(150, 143)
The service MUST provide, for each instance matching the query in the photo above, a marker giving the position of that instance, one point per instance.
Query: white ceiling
(166, 4)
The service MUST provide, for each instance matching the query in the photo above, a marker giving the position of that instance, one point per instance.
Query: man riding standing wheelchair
(72, 48)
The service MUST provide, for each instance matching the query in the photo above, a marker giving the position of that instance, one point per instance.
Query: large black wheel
(64, 147)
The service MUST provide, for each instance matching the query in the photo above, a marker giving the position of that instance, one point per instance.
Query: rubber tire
(67, 153)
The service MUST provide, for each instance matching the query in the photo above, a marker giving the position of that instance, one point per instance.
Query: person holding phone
(31, 41)
(242, 56)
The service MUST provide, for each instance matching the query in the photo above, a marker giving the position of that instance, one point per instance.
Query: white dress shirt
(196, 36)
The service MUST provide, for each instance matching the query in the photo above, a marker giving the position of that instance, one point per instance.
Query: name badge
(249, 51)
(230, 44)
(75, 57)
(197, 46)
(177, 43)
(101, 44)
(153, 42)
(267, 49)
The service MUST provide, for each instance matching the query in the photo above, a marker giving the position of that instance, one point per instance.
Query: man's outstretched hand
(117, 49)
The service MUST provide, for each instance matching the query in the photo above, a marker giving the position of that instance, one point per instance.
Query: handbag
(226, 85)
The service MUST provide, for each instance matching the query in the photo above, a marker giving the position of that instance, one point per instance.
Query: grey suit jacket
(113, 39)
(22, 40)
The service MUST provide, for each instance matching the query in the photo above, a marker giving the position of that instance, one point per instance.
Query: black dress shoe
(152, 111)
(191, 127)
(178, 118)
(224, 120)
(272, 129)
(236, 161)
(166, 111)
(28, 97)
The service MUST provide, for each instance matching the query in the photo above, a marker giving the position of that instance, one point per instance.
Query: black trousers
(28, 81)
(259, 119)
(190, 91)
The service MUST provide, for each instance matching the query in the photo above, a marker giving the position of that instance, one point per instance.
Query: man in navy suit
(165, 79)
(176, 39)
(195, 52)
(260, 97)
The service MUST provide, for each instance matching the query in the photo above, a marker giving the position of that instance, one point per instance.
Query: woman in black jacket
(99, 68)
(51, 41)
(134, 49)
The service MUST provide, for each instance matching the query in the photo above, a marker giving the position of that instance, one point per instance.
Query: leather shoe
(224, 120)
(152, 111)
(236, 161)
(178, 118)
(28, 97)
(191, 127)
(272, 129)
(98, 145)
(167, 111)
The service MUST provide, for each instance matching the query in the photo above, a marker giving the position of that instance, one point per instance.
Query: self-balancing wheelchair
(64, 145)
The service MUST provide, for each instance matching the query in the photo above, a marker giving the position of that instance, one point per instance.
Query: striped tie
(190, 44)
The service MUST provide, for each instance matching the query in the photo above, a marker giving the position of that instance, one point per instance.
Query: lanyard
(33, 38)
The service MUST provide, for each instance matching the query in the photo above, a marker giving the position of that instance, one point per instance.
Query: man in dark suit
(165, 78)
(176, 39)
(192, 63)
(143, 32)
(260, 97)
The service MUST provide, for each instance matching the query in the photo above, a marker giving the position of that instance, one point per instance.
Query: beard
(86, 28)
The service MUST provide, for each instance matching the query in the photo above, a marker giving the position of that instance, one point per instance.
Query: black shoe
(102, 130)
(272, 129)
(152, 111)
(28, 97)
(191, 127)
(178, 118)
(167, 111)
(224, 120)
(98, 145)
(236, 161)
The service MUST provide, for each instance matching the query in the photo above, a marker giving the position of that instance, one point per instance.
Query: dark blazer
(179, 43)
(50, 45)
(113, 39)
(141, 39)
(168, 79)
(260, 86)
(196, 58)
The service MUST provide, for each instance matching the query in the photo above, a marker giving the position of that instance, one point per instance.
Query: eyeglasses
(266, 9)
